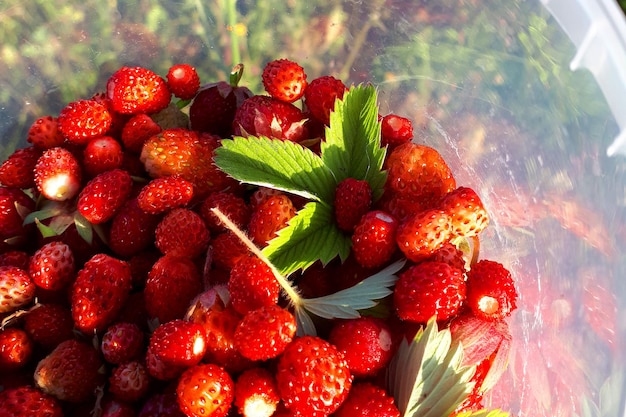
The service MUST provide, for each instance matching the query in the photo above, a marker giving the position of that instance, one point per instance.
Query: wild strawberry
(83, 120)
(71, 372)
(264, 333)
(402, 207)
(187, 153)
(16, 349)
(226, 250)
(49, 324)
(171, 286)
(99, 292)
(183, 81)
(313, 377)
(135, 90)
(491, 292)
(374, 239)
(15, 205)
(233, 206)
(366, 399)
(122, 342)
(175, 346)
(101, 154)
(395, 130)
(17, 170)
(466, 210)
(103, 196)
(44, 133)
(270, 117)
(132, 229)
(129, 382)
(260, 195)
(183, 233)
(421, 235)
(419, 172)
(284, 80)
(52, 266)
(165, 193)
(353, 199)
(205, 390)
(450, 255)
(16, 289)
(17, 258)
(214, 107)
(428, 289)
(366, 343)
(269, 217)
(28, 401)
(137, 130)
(252, 285)
(58, 174)
(161, 405)
(256, 393)
(320, 96)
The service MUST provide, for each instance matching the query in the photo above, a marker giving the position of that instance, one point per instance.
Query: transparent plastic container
(526, 101)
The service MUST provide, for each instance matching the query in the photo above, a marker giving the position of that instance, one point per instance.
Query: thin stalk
(234, 38)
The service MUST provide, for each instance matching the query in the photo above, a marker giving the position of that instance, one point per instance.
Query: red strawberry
(353, 199)
(467, 212)
(132, 229)
(205, 390)
(122, 342)
(18, 169)
(256, 393)
(49, 324)
(252, 285)
(183, 81)
(44, 133)
(270, 117)
(183, 233)
(137, 130)
(104, 195)
(101, 154)
(165, 193)
(171, 286)
(320, 96)
(15, 205)
(226, 250)
(269, 217)
(187, 153)
(83, 120)
(313, 377)
(175, 346)
(28, 401)
(491, 292)
(129, 382)
(99, 292)
(52, 266)
(135, 90)
(264, 333)
(366, 399)
(71, 372)
(16, 349)
(428, 289)
(421, 235)
(366, 343)
(233, 206)
(16, 289)
(260, 195)
(58, 174)
(374, 239)
(17, 258)
(213, 109)
(395, 130)
(418, 172)
(450, 255)
(284, 80)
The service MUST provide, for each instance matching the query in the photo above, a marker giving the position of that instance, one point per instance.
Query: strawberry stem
(235, 75)
(287, 287)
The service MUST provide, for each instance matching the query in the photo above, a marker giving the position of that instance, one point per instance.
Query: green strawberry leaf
(345, 304)
(426, 377)
(278, 164)
(352, 145)
(310, 236)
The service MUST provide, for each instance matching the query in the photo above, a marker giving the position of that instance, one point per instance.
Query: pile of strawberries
(122, 293)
